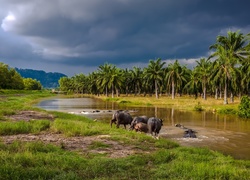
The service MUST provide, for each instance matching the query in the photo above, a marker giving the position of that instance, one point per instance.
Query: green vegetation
(153, 159)
(48, 80)
(244, 107)
(226, 75)
(11, 79)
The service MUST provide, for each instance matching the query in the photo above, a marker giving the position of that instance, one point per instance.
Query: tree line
(225, 73)
(11, 79)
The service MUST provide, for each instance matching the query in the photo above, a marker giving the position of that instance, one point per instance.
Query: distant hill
(48, 80)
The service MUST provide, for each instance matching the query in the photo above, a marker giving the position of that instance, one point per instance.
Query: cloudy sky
(77, 36)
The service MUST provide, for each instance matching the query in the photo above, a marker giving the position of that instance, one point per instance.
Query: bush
(198, 107)
(244, 107)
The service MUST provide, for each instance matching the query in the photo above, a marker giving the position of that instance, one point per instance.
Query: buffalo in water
(138, 119)
(154, 125)
(189, 134)
(121, 117)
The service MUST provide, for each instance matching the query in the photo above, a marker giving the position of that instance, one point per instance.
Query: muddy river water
(225, 133)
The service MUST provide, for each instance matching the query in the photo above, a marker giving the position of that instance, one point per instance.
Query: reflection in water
(228, 134)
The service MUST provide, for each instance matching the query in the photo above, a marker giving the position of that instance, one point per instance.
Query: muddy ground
(78, 144)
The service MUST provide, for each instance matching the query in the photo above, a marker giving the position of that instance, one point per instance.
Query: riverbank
(52, 145)
(183, 102)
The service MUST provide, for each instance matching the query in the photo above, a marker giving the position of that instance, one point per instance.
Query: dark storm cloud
(83, 33)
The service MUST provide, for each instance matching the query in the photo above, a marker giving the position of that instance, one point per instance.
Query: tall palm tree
(155, 72)
(104, 76)
(203, 70)
(126, 73)
(115, 80)
(229, 51)
(174, 76)
(193, 84)
(136, 74)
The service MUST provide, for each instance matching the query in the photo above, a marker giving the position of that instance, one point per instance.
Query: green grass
(157, 159)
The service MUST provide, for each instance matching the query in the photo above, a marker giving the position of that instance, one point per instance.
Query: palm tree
(229, 51)
(136, 75)
(155, 72)
(203, 71)
(116, 80)
(127, 79)
(175, 76)
(193, 84)
(104, 77)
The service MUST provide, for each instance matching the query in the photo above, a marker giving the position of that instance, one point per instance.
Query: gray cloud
(81, 33)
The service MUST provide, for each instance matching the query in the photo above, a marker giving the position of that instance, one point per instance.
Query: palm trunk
(204, 93)
(232, 98)
(216, 93)
(156, 90)
(225, 92)
(112, 89)
(106, 91)
(220, 92)
(173, 86)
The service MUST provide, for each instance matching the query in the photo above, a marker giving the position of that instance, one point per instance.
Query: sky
(77, 36)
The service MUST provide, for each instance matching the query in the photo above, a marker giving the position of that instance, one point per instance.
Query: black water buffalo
(141, 127)
(189, 134)
(121, 117)
(154, 125)
(137, 119)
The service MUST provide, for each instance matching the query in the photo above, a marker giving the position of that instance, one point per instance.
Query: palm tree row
(227, 67)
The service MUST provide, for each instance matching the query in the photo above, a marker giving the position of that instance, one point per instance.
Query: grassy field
(183, 102)
(36, 144)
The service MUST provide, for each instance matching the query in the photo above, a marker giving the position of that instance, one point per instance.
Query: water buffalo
(121, 117)
(141, 127)
(180, 126)
(189, 134)
(154, 125)
(114, 117)
(137, 119)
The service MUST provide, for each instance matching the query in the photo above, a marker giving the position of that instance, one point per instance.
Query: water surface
(225, 133)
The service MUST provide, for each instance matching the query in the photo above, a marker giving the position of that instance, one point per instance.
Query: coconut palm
(193, 84)
(203, 71)
(175, 76)
(136, 74)
(104, 77)
(229, 51)
(116, 80)
(155, 72)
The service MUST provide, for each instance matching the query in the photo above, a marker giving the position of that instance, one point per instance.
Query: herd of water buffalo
(144, 124)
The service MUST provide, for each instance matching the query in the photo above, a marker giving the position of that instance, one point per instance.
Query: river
(225, 133)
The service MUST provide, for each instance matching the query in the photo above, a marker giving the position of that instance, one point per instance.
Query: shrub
(198, 107)
(244, 107)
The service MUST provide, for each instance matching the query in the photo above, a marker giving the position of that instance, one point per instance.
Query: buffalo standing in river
(121, 117)
(138, 119)
(154, 125)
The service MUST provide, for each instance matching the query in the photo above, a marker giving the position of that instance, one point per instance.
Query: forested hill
(48, 80)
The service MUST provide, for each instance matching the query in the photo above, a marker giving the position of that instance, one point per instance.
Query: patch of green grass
(23, 127)
(227, 111)
(98, 144)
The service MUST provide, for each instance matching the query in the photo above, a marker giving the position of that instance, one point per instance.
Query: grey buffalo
(154, 125)
(121, 117)
(189, 134)
(141, 127)
(137, 119)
